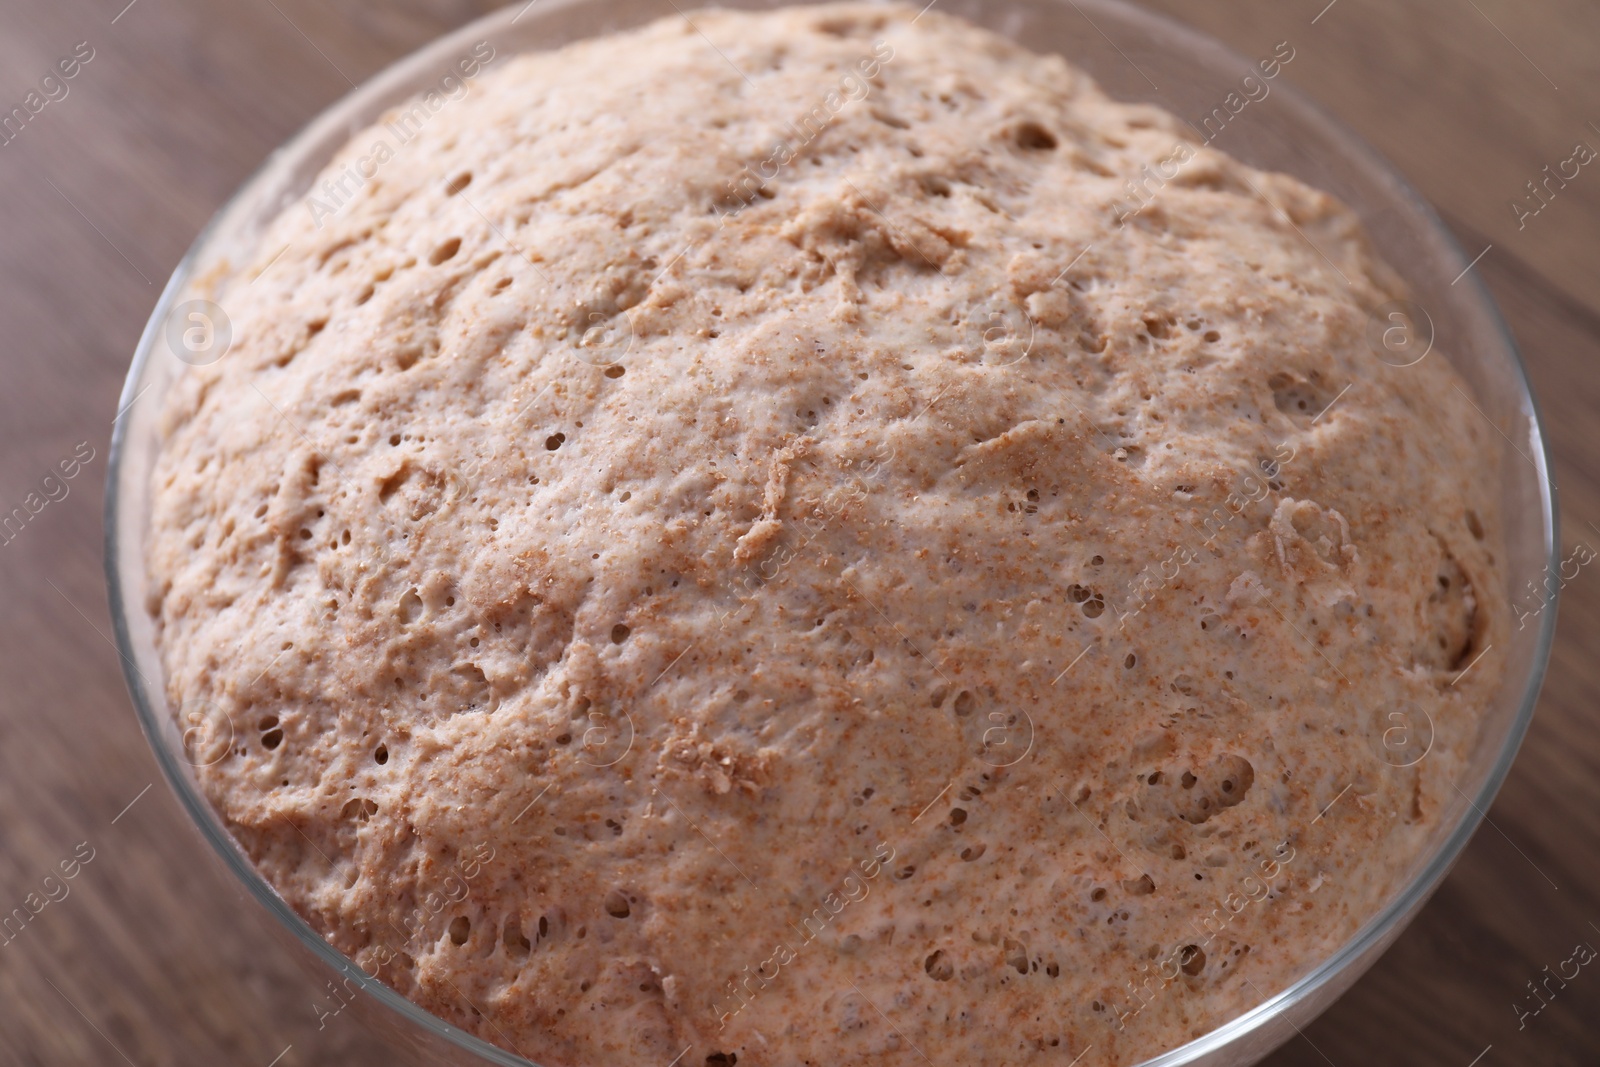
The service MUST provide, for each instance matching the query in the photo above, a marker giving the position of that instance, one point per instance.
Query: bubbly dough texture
(682, 563)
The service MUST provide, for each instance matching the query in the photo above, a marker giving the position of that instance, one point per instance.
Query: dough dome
(763, 550)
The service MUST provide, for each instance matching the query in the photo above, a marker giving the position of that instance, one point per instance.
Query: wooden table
(145, 960)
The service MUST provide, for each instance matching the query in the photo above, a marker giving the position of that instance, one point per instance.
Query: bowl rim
(1387, 922)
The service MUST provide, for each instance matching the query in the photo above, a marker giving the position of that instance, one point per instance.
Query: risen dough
(678, 570)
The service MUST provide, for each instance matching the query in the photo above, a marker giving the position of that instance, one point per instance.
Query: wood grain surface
(146, 959)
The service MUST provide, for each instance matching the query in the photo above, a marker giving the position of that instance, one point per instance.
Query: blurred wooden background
(145, 960)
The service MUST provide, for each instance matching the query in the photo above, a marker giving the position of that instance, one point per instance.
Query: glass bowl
(1135, 56)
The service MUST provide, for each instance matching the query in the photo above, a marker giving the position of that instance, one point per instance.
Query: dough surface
(751, 551)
